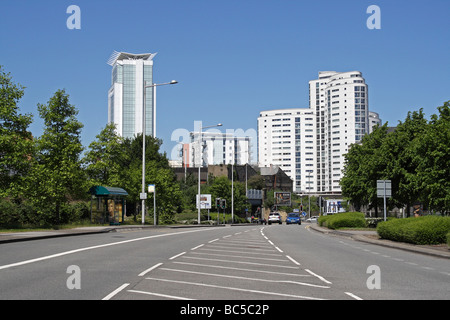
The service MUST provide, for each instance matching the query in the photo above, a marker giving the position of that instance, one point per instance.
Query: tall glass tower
(126, 95)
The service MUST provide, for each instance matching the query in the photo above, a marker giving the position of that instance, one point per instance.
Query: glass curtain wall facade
(126, 95)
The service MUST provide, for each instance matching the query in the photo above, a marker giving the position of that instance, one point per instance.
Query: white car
(274, 217)
(312, 219)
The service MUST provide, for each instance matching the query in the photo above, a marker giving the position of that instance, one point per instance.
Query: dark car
(293, 218)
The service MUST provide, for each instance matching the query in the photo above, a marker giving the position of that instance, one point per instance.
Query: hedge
(416, 230)
(343, 220)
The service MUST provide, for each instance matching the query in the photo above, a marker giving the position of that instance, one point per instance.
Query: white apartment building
(286, 138)
(216, 148)
(309, 143)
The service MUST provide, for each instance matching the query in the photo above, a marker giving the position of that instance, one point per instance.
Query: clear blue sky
(232, 58)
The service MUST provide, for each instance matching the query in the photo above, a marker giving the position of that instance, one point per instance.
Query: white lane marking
(95, 247)
(245, 278)
(242, 262)
(112, 294)
(159, 295)
(197, 247)
(242, 269)
(143, 273)
(353, 296)
(297, 263)
(177, 255)
(236, 289)
(213, 240)
(317, 276)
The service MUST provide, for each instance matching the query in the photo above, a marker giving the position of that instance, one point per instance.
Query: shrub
(343, 220)
(420, 230)
(322, 221)
(448, 238)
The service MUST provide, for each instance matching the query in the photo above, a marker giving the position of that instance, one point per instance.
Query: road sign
(384, 188)
(205, 201)
(384, 191)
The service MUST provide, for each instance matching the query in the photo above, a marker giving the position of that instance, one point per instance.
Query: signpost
(282, 199)
(152, 189)
(384, 190)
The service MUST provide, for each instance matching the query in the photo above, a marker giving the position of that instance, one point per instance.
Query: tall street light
(201, 161)
(144, 194)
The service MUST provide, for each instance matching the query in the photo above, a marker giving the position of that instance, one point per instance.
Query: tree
(221, 188)
(431, 158)
(56, 175)
(16, 145)
(157, 171)
(104, 160)
(399, 150)
(365, 163)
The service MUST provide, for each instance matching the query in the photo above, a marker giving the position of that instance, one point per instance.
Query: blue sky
(232, 58)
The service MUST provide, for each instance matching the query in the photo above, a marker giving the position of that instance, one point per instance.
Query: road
(251, 262)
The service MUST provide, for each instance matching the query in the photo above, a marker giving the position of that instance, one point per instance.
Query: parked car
(293, 218)
(312, 219)
(274, 217)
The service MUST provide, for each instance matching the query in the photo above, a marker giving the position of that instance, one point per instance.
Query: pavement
(441, 251)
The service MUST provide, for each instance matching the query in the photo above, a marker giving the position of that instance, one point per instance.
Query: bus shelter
(108, 204)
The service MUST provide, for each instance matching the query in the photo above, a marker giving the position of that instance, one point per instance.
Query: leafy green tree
(158, 172)
(399, 151)
(365, 163)
(16, 145)
(432, 161)
(221, 188)
(105, 159)
(56, 176)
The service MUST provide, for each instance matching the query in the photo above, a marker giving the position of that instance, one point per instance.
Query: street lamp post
(144, 194)
(201, 161)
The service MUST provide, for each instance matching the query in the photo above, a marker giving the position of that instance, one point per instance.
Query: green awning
(107, 191)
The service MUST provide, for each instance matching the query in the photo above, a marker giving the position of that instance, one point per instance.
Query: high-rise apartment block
(126, 95)
(309, 143)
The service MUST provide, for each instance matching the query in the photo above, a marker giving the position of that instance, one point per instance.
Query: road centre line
(52, 256)
(236, 289)
(242, 269)
(213, 240)
(246, 278)
(143, 273)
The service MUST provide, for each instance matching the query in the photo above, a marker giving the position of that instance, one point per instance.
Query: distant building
(309, 143)
(126, 95)
(215, 149)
